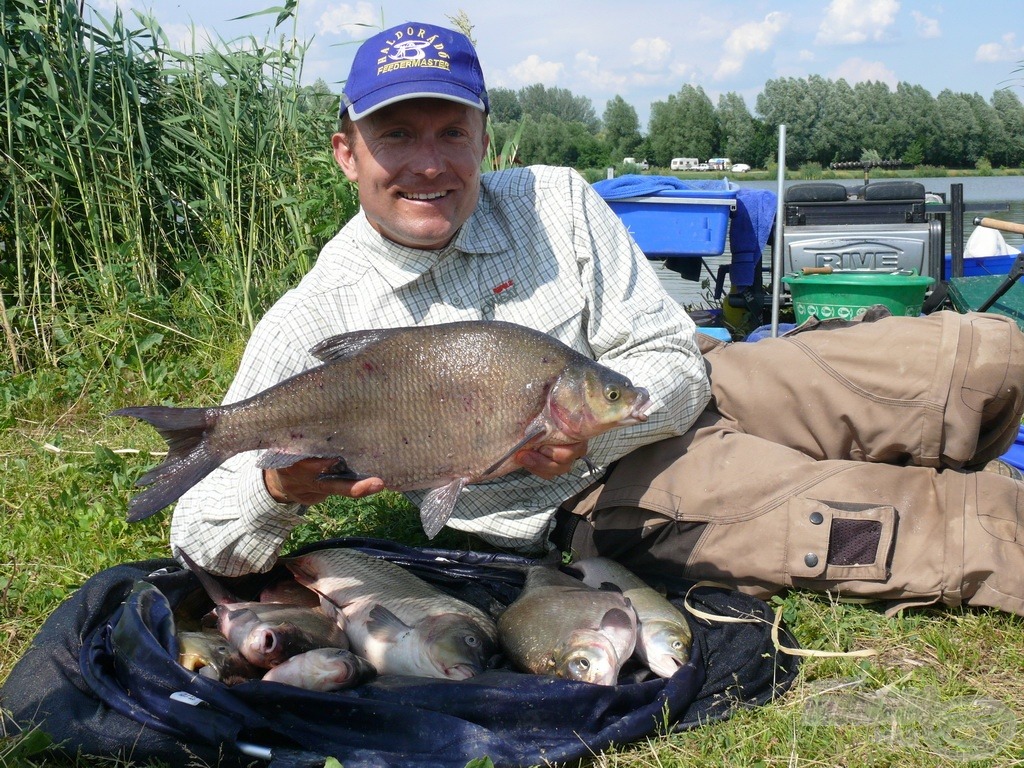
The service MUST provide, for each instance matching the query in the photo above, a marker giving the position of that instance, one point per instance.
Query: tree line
(827, 121)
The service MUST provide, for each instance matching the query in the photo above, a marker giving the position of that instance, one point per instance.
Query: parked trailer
(684, 163)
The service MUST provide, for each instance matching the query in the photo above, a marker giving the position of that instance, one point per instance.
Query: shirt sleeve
(635, 328)
(228, 523)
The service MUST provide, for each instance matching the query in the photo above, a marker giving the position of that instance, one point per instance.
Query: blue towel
(637, 185)
(748, 232)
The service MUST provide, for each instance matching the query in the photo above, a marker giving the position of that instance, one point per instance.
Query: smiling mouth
(423, 195)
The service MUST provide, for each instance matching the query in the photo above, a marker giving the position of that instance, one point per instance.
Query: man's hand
(550, 461)
(301, 483)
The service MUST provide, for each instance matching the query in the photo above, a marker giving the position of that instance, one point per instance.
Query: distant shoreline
(827, 174)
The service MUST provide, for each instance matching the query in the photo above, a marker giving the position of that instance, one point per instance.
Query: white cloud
(857, 70)
(926, 27)
(651, 52)
(533, 69)
(587, 68)
(752, 37)
(805, 55)
(848, 22)
(1005, 50)
(344, 19)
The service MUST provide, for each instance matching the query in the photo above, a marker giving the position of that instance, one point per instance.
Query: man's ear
(344, 156)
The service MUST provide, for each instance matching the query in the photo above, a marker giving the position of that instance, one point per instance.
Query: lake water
(977, 190)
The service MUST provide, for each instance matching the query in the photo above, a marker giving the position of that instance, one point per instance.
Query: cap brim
(384, 97)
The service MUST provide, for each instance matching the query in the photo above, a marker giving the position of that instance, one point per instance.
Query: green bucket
(848, 295)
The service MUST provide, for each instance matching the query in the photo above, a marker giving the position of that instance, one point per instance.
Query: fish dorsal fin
(438, 505)
(384, 626)
(345, 345)
(619, 626)
(537, 429)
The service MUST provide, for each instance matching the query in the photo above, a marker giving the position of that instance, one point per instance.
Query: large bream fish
(560, 626)
(432, 407)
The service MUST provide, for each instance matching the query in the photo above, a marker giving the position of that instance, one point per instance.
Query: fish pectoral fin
(536, 430)
(619, 626)
(332, 610)
(438, 505)
(340, 470)
(384, 626)
(278, 460)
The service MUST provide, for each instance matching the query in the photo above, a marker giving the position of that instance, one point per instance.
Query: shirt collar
(482, 234)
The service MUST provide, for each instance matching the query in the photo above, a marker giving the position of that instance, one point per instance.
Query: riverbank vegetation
(154, 202)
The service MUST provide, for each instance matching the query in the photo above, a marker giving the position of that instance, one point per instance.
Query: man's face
(417, 164)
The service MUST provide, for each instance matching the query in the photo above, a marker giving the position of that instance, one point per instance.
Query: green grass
(66, 473)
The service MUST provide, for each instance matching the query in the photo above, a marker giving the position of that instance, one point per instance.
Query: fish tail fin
(189, 456)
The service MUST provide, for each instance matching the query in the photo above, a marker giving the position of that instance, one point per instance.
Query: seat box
(882, 247)
(678, 222)
(888, 202)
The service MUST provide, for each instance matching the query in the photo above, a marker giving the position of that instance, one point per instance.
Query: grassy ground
(944, 688)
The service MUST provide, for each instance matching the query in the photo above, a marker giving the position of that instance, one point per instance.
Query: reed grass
(134, 174)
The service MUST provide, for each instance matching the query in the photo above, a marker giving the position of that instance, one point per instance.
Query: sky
(646, 51)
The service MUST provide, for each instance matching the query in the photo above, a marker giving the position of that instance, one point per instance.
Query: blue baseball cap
(411, 61)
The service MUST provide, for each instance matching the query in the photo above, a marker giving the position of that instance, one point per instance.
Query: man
(435, 243)
(835, 459)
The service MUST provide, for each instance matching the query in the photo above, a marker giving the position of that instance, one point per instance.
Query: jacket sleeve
(636, 328)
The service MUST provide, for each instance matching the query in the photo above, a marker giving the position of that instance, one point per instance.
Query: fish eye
(472, 641)
(677, 645)
(612, 393)
(583, 663)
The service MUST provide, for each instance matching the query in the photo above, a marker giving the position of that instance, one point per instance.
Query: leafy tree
(685, 125)
(552, 141)
(960, 138)
(537, 100)
(505, 106)
(914, 125)
(788, 101)
(738, 129)
(1010, 111)
(621, 129)
(871, 112)
(991, 138)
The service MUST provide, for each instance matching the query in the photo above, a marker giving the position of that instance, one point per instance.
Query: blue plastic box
(678, 222)
(976, 266)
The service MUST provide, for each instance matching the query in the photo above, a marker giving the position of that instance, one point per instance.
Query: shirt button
(457, 301)
(817, 518)
(810, 559)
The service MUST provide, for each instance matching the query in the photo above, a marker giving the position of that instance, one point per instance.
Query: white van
(684, 163)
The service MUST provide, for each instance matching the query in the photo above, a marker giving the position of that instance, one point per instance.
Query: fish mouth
(638, 414)
(461, 671)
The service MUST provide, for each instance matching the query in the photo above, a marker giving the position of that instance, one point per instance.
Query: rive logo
(859, 255)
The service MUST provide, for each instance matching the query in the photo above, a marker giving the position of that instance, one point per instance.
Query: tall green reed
(137, 180)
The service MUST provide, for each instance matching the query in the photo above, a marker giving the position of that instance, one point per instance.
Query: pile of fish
(433, 407)
(296, 643)
(348, 616)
